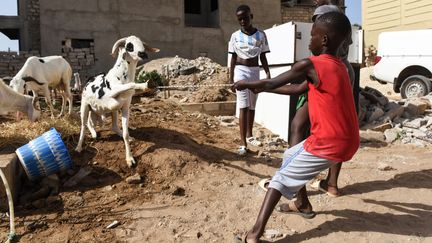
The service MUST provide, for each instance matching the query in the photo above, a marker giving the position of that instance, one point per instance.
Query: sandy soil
(196, 189)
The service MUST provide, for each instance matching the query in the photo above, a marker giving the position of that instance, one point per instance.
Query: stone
(40, 203)
(74, 180)
(272, 234)
(52, 200)
(384, 167)
(382, 127)
(371, 136)
(416, 123)
(391, 134)
(134, 179)
(375, 114)
(415, 107)
(394, 112)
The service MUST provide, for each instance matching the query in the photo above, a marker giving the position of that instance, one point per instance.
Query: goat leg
(125, 121)
(84, 116)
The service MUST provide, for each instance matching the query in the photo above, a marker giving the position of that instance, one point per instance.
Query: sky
(9, 7)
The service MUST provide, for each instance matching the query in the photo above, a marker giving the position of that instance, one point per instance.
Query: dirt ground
(195, 188)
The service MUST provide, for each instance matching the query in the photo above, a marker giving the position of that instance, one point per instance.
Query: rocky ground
(191, 186)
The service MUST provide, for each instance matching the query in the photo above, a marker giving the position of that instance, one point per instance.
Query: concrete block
(13, 171)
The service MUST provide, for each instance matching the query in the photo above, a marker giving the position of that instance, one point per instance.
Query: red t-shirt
(334, 126)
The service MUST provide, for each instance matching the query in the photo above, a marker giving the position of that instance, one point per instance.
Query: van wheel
(415, 86)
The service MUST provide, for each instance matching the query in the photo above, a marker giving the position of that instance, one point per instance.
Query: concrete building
(188, 28)
(384, 15)
(84, 30)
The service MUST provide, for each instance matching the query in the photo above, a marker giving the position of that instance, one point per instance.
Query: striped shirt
(248, 46)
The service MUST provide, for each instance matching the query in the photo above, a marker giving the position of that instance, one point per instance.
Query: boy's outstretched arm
(292, 89)
(299, 71)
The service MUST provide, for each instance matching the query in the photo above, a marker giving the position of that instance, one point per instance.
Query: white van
(405, 59)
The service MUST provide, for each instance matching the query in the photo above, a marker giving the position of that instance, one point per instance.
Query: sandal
(327, 192)
(242, 150)
(253, 141)
(263, 184)
(292, 209)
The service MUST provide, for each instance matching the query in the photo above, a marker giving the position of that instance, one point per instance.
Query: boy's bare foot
(332, 191)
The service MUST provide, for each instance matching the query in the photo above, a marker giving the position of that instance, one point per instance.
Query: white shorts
(246, 98)
(298, 167)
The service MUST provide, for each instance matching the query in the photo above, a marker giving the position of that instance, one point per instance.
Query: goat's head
(18, 85)
(132, 47)
(33, 110)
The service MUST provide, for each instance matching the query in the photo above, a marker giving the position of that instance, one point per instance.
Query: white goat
(41, 73)
(11, 100)
(112, 92)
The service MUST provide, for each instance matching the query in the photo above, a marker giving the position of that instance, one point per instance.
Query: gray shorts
(298, 167)
(246, 98)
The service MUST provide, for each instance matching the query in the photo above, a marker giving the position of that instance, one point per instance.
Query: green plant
(153, 76)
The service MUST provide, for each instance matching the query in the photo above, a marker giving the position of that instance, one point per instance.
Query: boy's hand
(240, 85)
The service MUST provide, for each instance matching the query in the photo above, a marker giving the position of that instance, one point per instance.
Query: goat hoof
(78, 149)
(131, 163)
(93, 135)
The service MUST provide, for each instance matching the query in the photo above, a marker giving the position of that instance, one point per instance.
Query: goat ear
(150, 49)
(119, 43)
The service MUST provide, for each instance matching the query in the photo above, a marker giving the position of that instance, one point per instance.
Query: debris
(114, 224)
(74, 180)
(272, 234)
(384, 167)
(135, 179)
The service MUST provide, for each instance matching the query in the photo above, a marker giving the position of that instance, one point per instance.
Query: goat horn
(150, 49)
(116, 46)
(34, 103)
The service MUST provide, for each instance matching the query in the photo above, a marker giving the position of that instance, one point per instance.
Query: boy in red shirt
(334, 128)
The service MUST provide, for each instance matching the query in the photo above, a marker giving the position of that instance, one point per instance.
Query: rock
(135, 179)
(382, 127)
(52, 200)
(74, 180)
(416, 123)
(272, 234)
(384, 167)
(394, 112)
(391, 134)
(375, 114)
(418, 133)
(415, 107)
(40, 203)
(374, 96)
(371, 136)
(53, 182)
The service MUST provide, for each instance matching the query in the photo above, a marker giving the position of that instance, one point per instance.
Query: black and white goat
(112, 92)
(11, 101)
(41, 73)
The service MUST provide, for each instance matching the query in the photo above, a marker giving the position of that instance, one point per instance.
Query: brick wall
(82, 60)
(297, 13)
(33, 20)
(11, 62)
(301, 13)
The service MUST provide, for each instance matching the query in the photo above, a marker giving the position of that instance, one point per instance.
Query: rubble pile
(405, 121)
(203, 67)
(200, 71)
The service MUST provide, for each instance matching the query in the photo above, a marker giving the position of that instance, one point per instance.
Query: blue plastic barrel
(44, 155)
